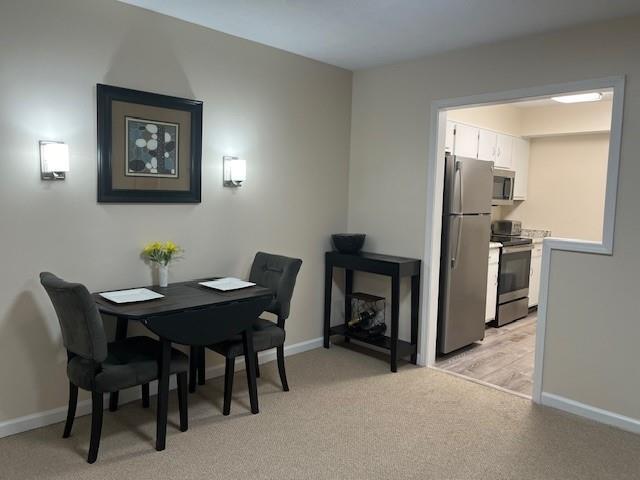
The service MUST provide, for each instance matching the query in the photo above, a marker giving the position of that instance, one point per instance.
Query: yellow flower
(161, 252)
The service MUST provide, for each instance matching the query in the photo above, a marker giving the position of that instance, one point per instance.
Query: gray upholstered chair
(101, 367)
(279, 274)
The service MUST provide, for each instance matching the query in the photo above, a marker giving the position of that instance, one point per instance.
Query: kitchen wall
(567, 176)
(500, 118)
(287, 115)
(565, 119)
(592, 328)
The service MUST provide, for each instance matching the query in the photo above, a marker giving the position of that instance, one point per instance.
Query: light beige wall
(500, 118)
(565, 119)
(591, 351)
(567, 176)
(287, 115)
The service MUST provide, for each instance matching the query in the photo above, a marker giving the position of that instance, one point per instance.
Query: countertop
(535, 234)
(495, 245)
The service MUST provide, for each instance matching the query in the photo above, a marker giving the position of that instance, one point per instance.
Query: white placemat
(227, 283)
(132, 295)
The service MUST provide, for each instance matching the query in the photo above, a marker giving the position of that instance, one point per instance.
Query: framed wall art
(149, 147)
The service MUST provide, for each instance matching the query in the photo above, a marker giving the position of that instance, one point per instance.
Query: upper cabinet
(520, 163)
(487, 141)
(504, 148)
(465, 143)
(449, 137)
(495, 147)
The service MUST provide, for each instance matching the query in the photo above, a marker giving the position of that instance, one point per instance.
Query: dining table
(194, 315)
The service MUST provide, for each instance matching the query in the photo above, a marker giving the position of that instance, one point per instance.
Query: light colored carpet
(346, 417)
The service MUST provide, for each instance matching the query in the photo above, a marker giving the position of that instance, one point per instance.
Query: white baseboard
(590, 412)
(56, 415)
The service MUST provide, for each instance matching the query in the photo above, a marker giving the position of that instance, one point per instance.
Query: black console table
(394, 267)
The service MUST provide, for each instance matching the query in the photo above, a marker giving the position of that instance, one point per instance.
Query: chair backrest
(278, 274)
(81, 324)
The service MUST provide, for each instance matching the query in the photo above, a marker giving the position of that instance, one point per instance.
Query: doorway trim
(435, 189)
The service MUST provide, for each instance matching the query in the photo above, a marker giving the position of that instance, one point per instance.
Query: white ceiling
(357, 34)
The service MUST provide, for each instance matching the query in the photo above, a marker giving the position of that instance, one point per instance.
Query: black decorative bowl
(348, 242)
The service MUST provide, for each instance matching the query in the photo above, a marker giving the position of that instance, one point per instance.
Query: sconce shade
(54, 157)
(238, 170)
(235, 171)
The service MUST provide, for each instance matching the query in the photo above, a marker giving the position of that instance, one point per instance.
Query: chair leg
(113, 401)
(145, 395)
(201, 365)
(283, 374)
(96, 425)
(71, 410)
(257, 366)
(228, 384)
(193, 368)
(182, 401)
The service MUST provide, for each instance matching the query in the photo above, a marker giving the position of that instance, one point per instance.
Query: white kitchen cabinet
(465, 142)
(487, 143)
(520, 163)
(504, 149)
(449, 137)
(492, 284)
(534, 277)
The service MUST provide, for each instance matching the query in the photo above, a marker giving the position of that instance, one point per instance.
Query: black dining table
(194, 315)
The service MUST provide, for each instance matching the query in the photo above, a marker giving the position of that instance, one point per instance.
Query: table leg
(201, 365)
(348, 290)
(328, 284)
(395, 314)
(121, 333)
(193, 368)
(250, 366)
(415, 305)
(163, 393)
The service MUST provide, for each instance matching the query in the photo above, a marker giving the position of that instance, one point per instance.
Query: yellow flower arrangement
(161, 252)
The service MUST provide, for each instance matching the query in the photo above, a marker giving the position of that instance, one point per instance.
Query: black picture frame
(106, 94)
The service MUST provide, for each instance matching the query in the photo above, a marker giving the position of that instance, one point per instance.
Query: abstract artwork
(152, 148)
(149, 147)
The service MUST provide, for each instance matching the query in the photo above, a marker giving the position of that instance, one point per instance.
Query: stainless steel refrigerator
(466, 231)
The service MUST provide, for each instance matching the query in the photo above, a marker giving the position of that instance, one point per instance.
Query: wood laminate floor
(504, 358)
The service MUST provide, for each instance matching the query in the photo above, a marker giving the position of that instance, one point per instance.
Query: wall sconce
(234, 171)
(54, 160)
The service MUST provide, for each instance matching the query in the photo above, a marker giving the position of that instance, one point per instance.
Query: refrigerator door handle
(459, 235)
(458, 242)
(461, 184)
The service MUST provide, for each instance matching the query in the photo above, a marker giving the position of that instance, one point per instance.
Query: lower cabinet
(492, 284)
(534, 275)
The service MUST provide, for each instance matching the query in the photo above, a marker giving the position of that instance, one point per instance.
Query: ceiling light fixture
(578, 98)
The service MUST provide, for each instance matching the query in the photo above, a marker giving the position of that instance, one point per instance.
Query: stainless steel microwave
(503, 180)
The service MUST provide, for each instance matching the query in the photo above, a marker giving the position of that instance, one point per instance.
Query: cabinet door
(449, 137)
(504, 147)
(534, 279)
(492, 292)
(487, 144)
(466, 141)
(520, 161)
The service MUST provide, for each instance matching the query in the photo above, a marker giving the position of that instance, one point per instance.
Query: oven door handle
(517, 249)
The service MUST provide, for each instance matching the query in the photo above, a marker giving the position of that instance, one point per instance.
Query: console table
(394, 267)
